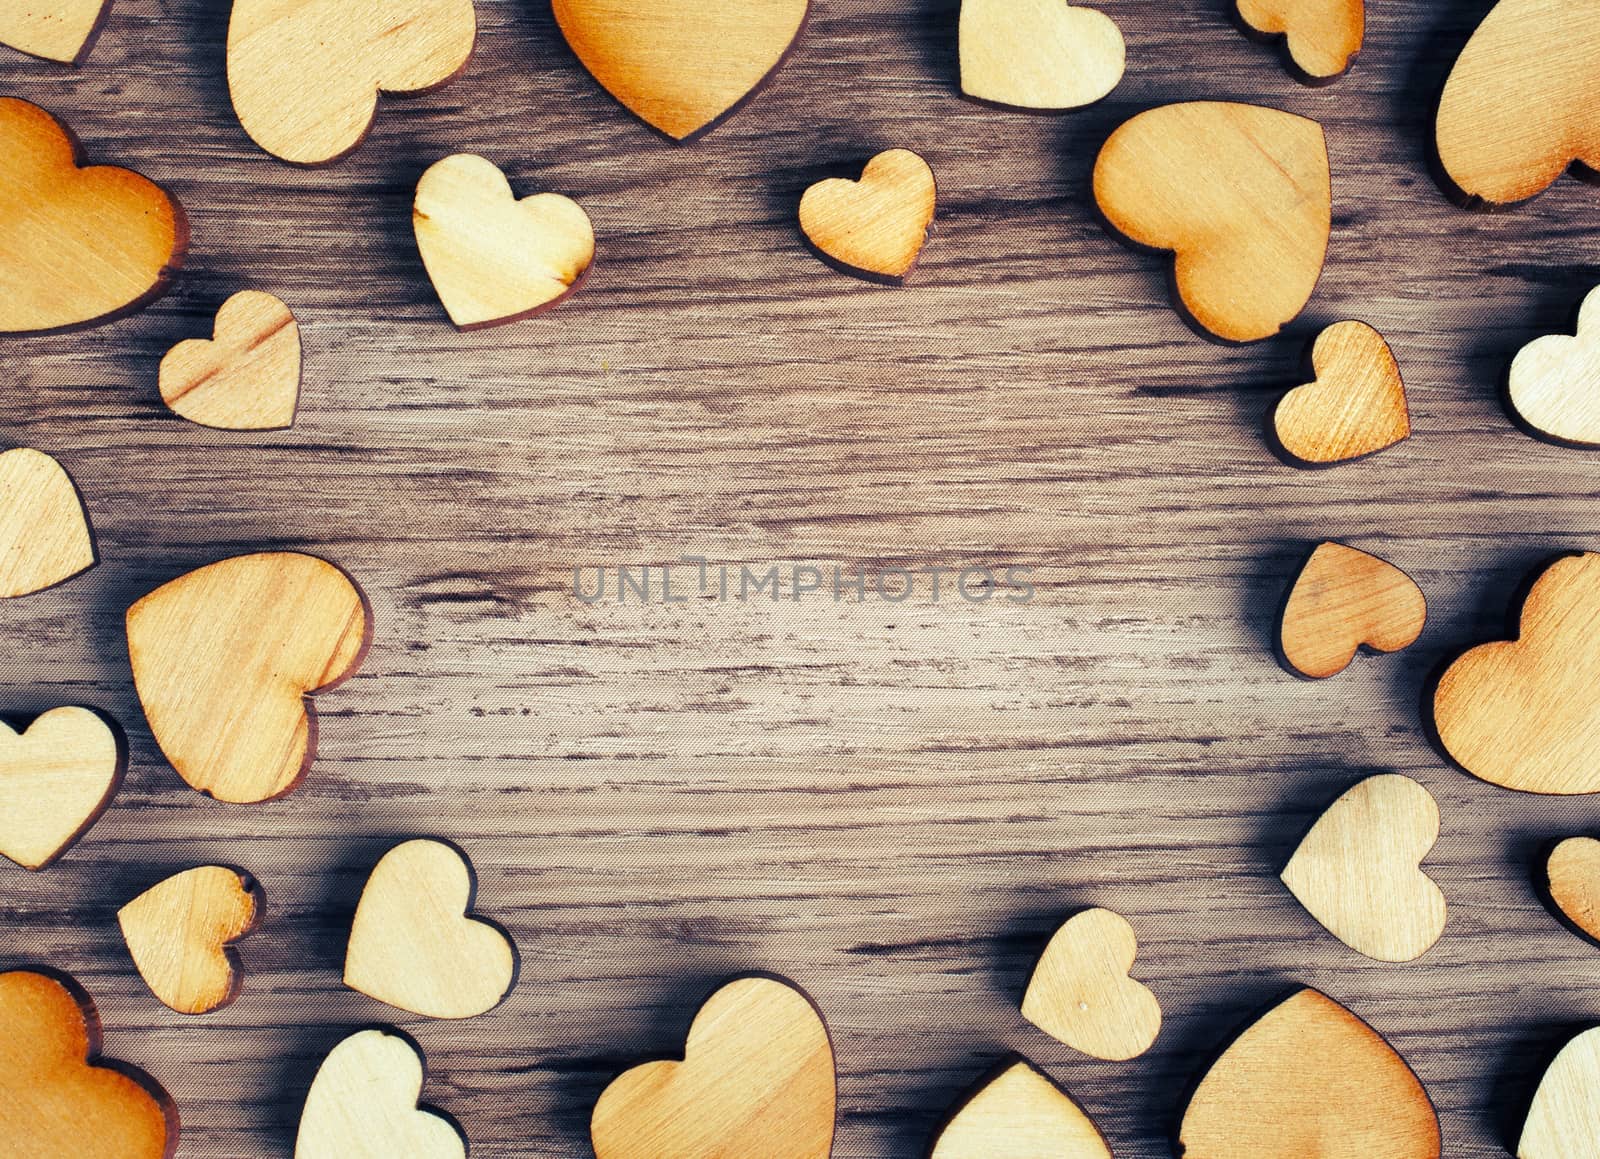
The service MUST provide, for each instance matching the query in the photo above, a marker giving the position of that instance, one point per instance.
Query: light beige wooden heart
(59, 30)
(1081, 993)
(1322, 36)
(681, 66)
(1019, 1113)
(56, 778)
(245, 378)
(1564, 1120)
(412, 943)
(44, 533)
(1555, 381)
(757, 1079)
(1355, 407)
(179, 933)
(363, 1105)
(305, 75)
(1572, 877)
(874, 227)
(1344, 600)
(1038, 54)
(494, 259)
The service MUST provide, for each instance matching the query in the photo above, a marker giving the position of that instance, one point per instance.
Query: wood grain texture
(363, 1105)
(1564, 1119)
(1572, 877)
(244, 378)
(56, 777)
(59, 30)
(1344, 601)
(874, 227)
(1039, 54)
(1081, 992)
(1354, 407)
(44, 533)
(892, 804)
(1321, 37)
(1554, 385)
(1020, 1113)
(179, 933)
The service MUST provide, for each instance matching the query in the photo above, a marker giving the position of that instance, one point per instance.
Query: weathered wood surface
(892, 804)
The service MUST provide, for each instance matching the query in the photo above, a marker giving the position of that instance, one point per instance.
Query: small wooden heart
(246, 378)
(1572, 879)
(1081, 993)
(757, 1078)
(1038, 54)
(1322, 37)
(1564, 1120)
(1356, 407)
(1241, 194)
(1342, 601)
(681, 66)
(875, 227)
(363, 1105)
(1359, 870)
(44, 534)
(224, 657)
(100, 242)
(62, 30)
(412, 943)
(494, 259)
(1555, 382)
(55, 781)
(179, 933)
(1019, 1113)
(1309, 1078)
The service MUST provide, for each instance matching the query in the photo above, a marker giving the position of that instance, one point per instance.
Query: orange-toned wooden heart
(179, 932)
(1572, 878)
(1519, 108)
(1356, 407)
(1082, 994)
(874, 227)
(81, 245)
(56, 778)
(681, 66)
(1018, 1112)
(1523, 713)
(224, 657)
(55, 1101)
(246, 377)
(44, 533)
(1322, 37)
(1240, 193)
(1344, 600)
(61, 30)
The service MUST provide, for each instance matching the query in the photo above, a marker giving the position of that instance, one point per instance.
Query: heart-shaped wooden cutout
(1309, 1078)
(875, 227)
(44, 533)
(85, 245)
(1241, 194)
(1038, 54)
(1322, 37)
(1523, 713)
(179, 932)
(757, 1078)
(1019, 1113)
(1359, 870)
(1081, 993)
(1555, 382)
(1572, 879)
(305, 76)
(62, 30)
(247, 377)
(224, 657)
(494, 259)
(412, 943)
(681, 66)
(1355, 407)
(56, 778)
(56, 1100)
(363, 1105)
(1518, 109)
(1342, 601)
(1564, 1120)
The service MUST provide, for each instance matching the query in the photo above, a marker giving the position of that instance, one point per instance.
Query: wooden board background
(892, 804)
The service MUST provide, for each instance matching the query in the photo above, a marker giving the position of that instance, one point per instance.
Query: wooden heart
(246, 378)
(412, 944)
(874, 227)
(1518, 109)
(1344, 600)
(1359, 870)
(1081, 993)
(1019, 1113)
(62, 30)
(223, 659)
(56, 1100)
(1243, 197)
(1523, 713)
(44, 533)
(1355, 407)
(1309, 1078)
(681, 66)
(1322, 37)
(1564, 1120)
(84, 245)
(1555, 382)
(1038, 54)
(179, 932)
(756, 1078)
(363, 1105)
(492, 258)
(305, 75)
(1572, 878)
(56, 778)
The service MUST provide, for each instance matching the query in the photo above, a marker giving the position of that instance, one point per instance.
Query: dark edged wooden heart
(1344, 601)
